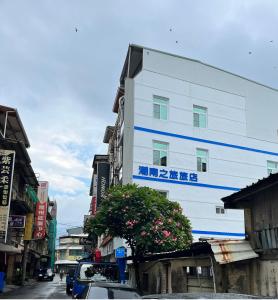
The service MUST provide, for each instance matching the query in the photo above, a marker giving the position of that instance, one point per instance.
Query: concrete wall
(172, 276)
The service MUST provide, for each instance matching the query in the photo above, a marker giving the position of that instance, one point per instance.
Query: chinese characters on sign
(41, 210)
(16, 221)
(7, 158)
(167, 174)
(40, 220)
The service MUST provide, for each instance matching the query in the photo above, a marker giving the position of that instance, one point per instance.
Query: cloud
(63, 82)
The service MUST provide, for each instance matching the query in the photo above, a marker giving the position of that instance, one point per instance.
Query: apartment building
(195, 133)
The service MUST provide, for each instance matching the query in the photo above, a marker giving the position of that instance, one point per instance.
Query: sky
(63, 82)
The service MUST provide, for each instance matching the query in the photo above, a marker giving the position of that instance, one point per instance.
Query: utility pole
(24, 261)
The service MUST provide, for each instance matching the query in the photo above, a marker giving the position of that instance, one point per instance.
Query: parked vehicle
(69, 280)
(45, 274)
(200, 295)
(87, 272)
(109, 290)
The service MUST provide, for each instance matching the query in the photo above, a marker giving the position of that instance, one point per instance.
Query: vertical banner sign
(41, 210)
(43, 191)
(103, 170)
(7, 159)
(94, 196)
(40, 220)
(28, 233)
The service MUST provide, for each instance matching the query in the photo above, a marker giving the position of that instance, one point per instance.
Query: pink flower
(174, 239)
(166, 233)
(143, 233)
(158, 222)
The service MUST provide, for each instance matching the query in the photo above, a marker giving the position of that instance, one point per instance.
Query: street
(39, 290)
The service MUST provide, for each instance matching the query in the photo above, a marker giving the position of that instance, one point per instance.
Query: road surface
(39, 290)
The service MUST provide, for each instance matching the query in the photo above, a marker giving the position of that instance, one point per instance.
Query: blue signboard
(120, 252)
(16, 221)
(167, 174)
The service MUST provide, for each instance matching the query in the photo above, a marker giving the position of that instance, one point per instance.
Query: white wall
(237, 115)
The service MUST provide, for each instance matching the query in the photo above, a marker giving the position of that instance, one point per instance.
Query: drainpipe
(213, 274)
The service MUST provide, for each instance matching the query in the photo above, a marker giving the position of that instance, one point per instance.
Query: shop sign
(43, 191)
(16, 221)
(28, 232)
(7, 159)
(94, 205)
(40, 220)
(103, 170)
(120, 252)
(162, 173)
(93, 208)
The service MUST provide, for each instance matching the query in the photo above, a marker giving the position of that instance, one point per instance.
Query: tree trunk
(136, 269)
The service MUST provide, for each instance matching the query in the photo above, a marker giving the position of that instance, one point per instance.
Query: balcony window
(199, 116)
(160, 107)
(272, 167)
(160, 153)
(202, 160)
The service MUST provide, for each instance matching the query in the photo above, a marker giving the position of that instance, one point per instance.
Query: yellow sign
(28, 233)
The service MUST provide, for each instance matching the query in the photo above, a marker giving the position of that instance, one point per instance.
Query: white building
(194, 132)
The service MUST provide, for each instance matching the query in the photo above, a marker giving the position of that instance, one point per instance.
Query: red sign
(97, 255)
(93, 205)
(40, 220)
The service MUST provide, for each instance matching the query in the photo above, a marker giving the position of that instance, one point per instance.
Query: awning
(9, 249)
(227, 251)
(66, 262)
(69, 247)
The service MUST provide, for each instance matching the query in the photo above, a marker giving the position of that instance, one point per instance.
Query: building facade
(194, 132)
(70, 249)
(21, 252)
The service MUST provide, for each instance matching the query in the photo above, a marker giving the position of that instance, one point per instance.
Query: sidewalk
(12, 287)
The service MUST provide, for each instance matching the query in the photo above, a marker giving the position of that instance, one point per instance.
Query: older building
(70, 249)
(21, 253)
(260, 205)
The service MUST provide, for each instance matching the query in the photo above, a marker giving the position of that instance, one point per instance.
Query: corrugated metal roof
(14, 130)
(227, 251)
(246, 193)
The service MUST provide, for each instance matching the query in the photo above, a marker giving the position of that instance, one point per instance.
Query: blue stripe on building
(185, 137)
(204, 185)
(218, 233)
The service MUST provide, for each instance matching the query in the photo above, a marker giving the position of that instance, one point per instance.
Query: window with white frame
(160, 153)
(220, 210)
(199, 116)
(272, 167)
(202, 160)
(160, 107)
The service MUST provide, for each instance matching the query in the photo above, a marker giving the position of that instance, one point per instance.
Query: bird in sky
(170, 29)
(176, 42)
(250, 52)
(271, 41)
(76, 29)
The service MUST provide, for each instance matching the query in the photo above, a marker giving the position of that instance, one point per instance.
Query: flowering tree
(144, 218)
